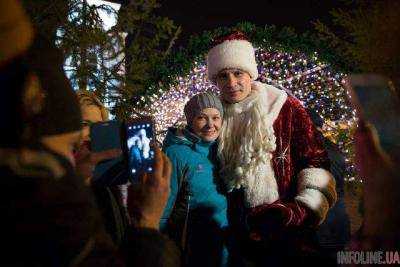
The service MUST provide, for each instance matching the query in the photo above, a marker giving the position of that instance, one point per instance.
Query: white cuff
(315, 201)
(317, 190)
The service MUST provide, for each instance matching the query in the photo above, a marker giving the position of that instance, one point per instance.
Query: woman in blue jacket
(196, 213)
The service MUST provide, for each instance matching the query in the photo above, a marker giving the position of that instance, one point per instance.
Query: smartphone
(139, 152)
(104, 136)
(376, 102)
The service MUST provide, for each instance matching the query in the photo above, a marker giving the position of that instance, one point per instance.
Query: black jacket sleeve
(50, 218)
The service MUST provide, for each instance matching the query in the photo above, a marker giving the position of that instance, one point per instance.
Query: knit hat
(16, 30)
(199, 102)
(61, 111)
(232, 51)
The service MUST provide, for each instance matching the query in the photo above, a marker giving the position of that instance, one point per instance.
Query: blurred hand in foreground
(86, 161)
(148, 198)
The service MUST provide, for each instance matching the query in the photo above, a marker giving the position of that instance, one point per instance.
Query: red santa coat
(300, 165)
(300, 162)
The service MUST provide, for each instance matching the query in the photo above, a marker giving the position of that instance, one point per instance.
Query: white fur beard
(246, 145)
(260, 186)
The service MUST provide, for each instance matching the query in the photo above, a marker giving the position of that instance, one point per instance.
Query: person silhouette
(144, 144)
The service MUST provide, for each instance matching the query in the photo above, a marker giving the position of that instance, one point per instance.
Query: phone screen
(140, 154)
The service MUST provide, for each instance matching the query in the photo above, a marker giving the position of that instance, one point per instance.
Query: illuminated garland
(314, 82)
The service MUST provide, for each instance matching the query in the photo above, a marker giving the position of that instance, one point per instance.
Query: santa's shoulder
(294, 102)
(289, 102)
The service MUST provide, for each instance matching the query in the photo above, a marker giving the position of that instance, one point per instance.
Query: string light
(309, 79)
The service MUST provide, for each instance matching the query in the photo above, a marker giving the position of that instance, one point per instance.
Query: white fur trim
(317, 190)
(273, 99)
(315, 201)
(232, 54)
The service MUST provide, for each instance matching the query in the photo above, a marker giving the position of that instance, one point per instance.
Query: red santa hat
(232, 51)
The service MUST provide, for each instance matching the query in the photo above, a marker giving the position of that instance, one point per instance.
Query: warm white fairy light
(313, 82)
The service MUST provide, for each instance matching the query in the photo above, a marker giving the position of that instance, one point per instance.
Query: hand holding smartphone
(134, 138)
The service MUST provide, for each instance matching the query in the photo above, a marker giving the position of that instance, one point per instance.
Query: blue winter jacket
(204, 216)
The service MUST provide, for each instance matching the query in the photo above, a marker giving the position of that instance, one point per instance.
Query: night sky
(196, 16)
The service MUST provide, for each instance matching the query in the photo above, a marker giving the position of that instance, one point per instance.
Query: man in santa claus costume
(273, 163)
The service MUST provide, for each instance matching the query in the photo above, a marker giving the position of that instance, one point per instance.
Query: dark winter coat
(49, 218)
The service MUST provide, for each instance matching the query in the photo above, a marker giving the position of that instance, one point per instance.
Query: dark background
(195, 16)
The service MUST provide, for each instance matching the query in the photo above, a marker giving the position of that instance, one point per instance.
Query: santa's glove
(270, 220)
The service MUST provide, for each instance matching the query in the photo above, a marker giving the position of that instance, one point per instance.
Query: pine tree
(367, 36)
(115, 63)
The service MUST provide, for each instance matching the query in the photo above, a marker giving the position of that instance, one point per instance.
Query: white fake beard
(247, 141)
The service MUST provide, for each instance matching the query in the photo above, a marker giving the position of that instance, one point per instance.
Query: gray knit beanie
(199, 102)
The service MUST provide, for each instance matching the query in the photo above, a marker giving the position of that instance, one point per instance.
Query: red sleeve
(307, 141)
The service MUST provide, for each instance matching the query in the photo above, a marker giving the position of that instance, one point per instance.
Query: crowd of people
(249, 181)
